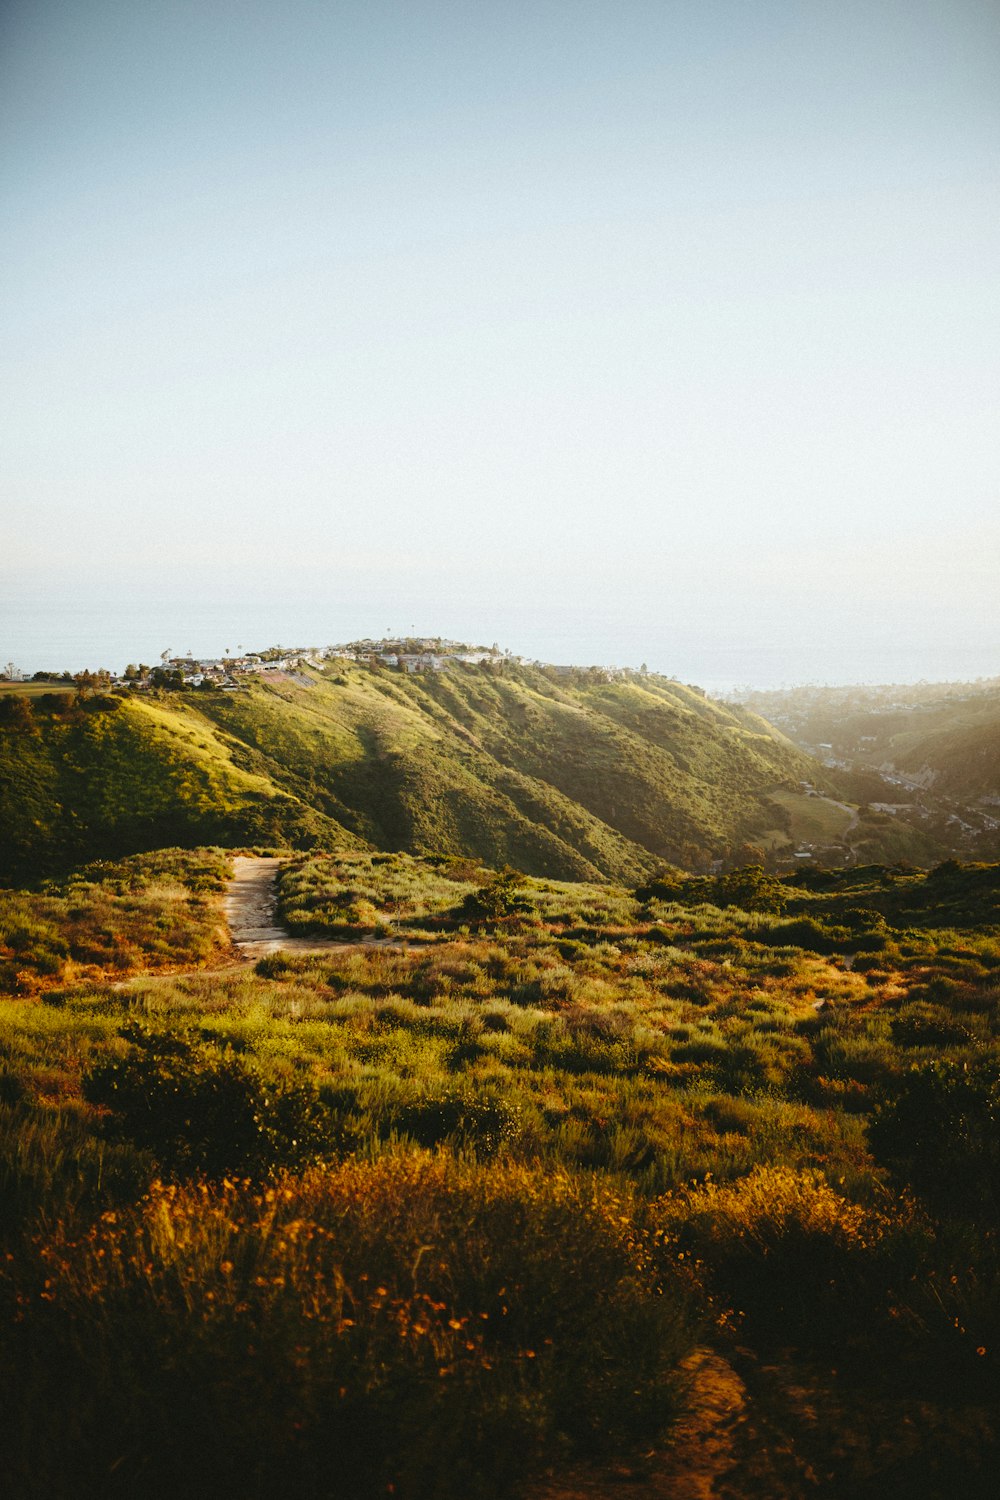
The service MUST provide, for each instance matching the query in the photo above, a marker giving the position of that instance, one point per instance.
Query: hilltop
(571, 773)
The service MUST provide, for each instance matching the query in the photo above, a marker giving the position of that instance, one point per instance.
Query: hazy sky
(614, 331)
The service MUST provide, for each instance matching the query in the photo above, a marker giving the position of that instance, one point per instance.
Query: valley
(922, 760)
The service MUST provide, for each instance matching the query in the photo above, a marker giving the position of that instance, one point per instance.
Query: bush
(924, 1025)
(483, 1121)
(779, 1245)
(938, 1132)
(500, 898)
(197, 1110)
(751, 889)
(411, 1327)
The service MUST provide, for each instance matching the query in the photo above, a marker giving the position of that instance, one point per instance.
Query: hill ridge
(572, 776)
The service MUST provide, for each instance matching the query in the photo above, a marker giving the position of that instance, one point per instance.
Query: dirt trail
(699, 1459)
(250, 911)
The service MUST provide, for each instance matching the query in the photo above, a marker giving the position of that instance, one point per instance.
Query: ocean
(68, 633)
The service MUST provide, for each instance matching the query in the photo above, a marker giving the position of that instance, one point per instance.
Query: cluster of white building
(429, 656)
(420, 655)
(221, 671)
(409, 655)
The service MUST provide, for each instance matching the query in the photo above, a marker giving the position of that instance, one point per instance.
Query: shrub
(483, 1121)
(500, 898)
(198, 1110)
(938, 1132)
(809, 934)
(924, 1025)
(779, 1244)
(751, 889)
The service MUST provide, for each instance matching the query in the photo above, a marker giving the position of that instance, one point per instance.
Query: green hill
(569, 775)
(572, 776)
(114, 776)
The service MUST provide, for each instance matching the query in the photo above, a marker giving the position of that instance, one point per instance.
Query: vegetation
(151, 911)
(99, 777)
(437, 1218)
(570, 776)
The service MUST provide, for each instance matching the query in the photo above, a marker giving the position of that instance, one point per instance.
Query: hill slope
(116, 776)
(570, 776)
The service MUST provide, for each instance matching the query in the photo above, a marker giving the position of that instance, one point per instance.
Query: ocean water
(70, 632)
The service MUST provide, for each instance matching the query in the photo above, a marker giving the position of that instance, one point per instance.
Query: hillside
(572, 776)
(687, 1191)
(113, 776)
(928, 754)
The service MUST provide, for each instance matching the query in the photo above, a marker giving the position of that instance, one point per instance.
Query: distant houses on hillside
(225, 672)
(409, 655)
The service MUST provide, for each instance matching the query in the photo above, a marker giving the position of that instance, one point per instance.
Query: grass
(107, 777)
(150, 911)
(35, 689)
(421, 1326)
(575, 778)
(814, 820)
(457, 1214)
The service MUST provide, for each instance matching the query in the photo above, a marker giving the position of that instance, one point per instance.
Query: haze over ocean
(656, 331)
(74, 634)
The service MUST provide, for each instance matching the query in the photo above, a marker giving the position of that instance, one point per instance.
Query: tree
(16, 713)
(747, 854)
(752, 889)
(91, 682)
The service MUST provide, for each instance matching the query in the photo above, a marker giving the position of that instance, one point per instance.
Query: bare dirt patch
(250, 911)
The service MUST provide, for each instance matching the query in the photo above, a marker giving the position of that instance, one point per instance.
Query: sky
(616, 332)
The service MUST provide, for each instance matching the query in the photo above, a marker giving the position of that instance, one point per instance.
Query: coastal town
(228, 672)
(407, 654)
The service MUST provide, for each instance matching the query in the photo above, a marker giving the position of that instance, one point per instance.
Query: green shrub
(923, 1025)
(751, 889)
(486, 1122)
(198, 1110)
(938, 1132)
(501, 898)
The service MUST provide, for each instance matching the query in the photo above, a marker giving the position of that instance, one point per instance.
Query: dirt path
(250, 911)
(696, 1462)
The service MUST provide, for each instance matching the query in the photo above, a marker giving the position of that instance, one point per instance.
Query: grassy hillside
(110, 776)
(446, 1221)
(961, 748)
(574, 777)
